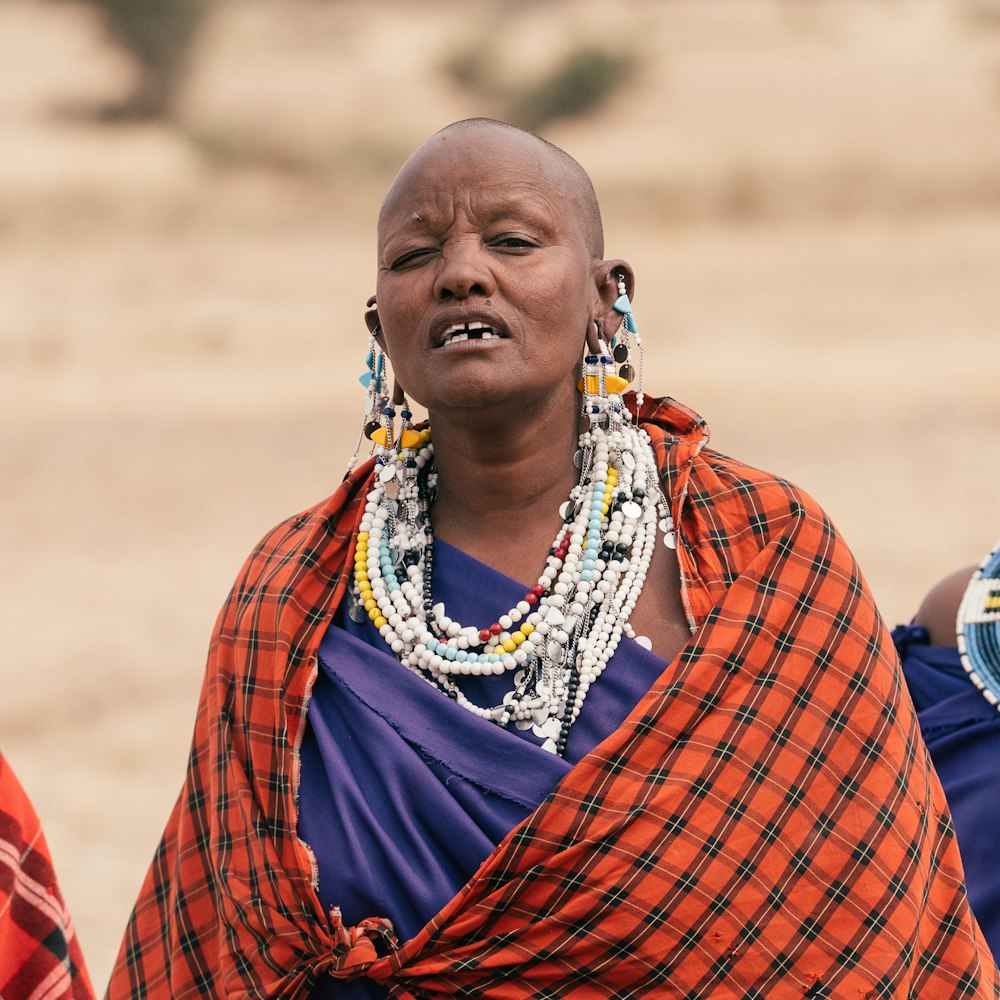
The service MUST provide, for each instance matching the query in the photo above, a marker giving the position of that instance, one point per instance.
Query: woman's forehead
(483, 162)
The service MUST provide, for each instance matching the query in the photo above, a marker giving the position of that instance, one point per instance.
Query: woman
(40, 957)
(951, 664)
(486, 801)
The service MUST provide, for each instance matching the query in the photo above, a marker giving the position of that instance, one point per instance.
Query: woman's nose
(464, 271)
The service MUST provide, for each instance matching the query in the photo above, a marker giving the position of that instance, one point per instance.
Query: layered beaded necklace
(558, 638)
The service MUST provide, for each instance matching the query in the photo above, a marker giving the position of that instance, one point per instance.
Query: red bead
(484, 634)
(530, 598)
(538, 590)
(495, 628)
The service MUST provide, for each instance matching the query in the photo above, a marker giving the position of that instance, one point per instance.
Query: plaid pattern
(765, 823)
(39, 954)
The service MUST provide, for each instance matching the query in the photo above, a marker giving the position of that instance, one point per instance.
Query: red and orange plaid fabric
(39, 953)
(765, 823)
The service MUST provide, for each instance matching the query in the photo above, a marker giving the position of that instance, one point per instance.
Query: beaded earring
(600, 386)
(620, 346)
(374, 379)
(381, 407)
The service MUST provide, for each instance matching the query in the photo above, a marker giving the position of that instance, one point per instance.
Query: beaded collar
(978, 628)
(558, 638)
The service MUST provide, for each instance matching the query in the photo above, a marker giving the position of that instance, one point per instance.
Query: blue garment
(404, 793)
(962, 732)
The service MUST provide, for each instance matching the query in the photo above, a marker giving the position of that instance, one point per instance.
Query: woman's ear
(610, 273)
(372, 322)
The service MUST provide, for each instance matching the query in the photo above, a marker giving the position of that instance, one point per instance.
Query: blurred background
(809, 191)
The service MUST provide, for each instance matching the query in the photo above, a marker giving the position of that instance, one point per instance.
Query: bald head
(553, 164)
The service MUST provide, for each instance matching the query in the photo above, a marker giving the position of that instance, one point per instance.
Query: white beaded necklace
(558, 639)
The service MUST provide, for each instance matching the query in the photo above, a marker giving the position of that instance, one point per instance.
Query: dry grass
(810, 194)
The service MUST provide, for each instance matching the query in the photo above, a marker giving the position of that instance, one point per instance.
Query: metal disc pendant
(644, 641)
(628, 461)
(621, 353)
(670, 540)
(631, 510)
(388, 472)
(567, 510)
(666, 524)
(578, 458)
(356, 610)
(627, 372)
(551, 728)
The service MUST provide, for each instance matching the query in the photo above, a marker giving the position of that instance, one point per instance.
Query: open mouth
(474, 330)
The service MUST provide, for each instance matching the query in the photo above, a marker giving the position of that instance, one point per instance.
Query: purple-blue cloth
(962, 732)
(404, 793)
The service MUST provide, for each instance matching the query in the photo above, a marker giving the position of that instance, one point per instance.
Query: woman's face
(486, 281)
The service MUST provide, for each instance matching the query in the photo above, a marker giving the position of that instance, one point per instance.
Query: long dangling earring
(601, 388)
(379, 424)
(375, 381)
(620, 343)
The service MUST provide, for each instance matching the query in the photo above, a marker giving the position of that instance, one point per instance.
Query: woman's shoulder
(717, 478)
(710, 479)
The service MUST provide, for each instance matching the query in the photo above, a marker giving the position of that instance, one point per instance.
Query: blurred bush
(159, 35)
(583, 79)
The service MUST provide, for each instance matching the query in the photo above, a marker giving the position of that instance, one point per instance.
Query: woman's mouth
(473, 330)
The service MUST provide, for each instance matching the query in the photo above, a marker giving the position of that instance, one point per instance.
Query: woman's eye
(515, 242)
(411, 257)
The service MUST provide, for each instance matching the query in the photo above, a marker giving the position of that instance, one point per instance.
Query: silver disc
(631, 510)
(356, 610)
(388, 472)
(551, 728)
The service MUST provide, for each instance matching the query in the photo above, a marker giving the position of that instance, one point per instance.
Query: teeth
(460, 331)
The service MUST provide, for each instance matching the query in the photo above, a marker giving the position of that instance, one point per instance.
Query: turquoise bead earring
(620, 346)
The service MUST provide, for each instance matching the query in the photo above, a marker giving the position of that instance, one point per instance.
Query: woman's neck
(500, 489)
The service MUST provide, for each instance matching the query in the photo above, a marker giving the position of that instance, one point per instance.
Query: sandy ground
(810, 195)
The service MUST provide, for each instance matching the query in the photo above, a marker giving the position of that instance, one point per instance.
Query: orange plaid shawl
(765, 823)
(40, 955)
